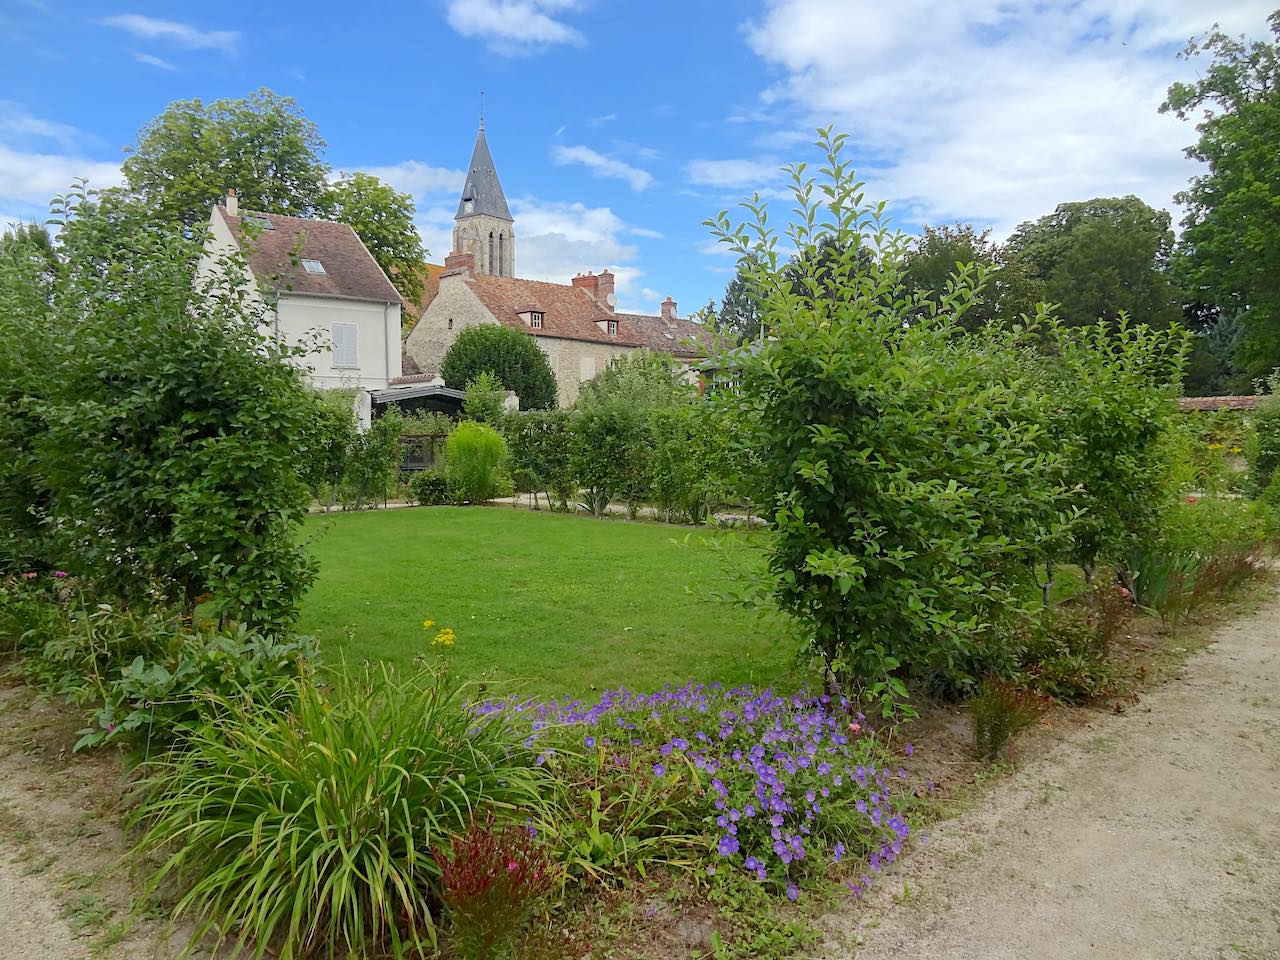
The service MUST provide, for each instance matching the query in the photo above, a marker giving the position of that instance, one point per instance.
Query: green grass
(563, 604)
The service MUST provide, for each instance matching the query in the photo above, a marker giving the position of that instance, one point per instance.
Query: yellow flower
(1236, 449)
(428, 624)
(1215, 446)
(445, 638)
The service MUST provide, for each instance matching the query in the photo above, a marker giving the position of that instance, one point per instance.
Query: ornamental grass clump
(779, 787)
(310, 831)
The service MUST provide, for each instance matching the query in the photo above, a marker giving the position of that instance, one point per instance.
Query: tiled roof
(684, 338)
(429, 273)
(349, 269)
(567, 312)
(1189, 404)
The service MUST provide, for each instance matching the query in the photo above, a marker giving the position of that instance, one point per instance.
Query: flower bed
(780, 787)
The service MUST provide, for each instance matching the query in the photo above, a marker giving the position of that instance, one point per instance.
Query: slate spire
(482, 193)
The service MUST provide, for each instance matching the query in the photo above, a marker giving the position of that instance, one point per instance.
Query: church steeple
(483, 225)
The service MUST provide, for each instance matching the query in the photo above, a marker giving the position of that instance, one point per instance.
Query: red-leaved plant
(492, 880)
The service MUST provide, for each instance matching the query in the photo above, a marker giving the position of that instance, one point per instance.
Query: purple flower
(659, 770)
(792, 893)
(910, 750)
(590, 742)
(728, 845)
(60, 574)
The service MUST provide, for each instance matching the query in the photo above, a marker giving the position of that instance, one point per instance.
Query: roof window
(313, 266)
(262, 223)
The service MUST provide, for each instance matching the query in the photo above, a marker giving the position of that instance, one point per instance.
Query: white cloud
(182, 34)
(988, 110)
(17, 124)
(32, 178)
(513, 27)
(645, 232)
(601, 121)
(734, 173)
(602, 166)
(555, 241)
(421, 180)
(151, 61)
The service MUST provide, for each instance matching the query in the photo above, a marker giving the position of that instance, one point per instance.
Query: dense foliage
(510, 355)
(313, 828)
(476, 463)
(151, 423)
(383, 219)
(1230, 248)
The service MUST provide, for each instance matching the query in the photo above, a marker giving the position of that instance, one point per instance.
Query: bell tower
(483, 226)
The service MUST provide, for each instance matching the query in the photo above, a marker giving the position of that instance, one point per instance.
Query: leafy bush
(690, 464)
(1263, 445)
(429, 488)
(30, 616)
(492, 879)
(1064, 656)
(312, 828)
(540, 444)
(373, 460)
(609, 454)
(511, 355)
(476, 464)
(785, 784)
(909, 479)
(154, 703)
(484, 398)
(171, 418)
(331, 436)
(999, 713)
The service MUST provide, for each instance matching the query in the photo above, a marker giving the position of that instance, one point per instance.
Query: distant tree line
(1100, 258)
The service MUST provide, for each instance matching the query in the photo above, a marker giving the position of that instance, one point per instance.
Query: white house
(324, 279)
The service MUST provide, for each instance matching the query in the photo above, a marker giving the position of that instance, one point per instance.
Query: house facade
(325, 284)
(575, 324)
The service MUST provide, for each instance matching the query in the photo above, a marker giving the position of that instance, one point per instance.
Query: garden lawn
(563, 604)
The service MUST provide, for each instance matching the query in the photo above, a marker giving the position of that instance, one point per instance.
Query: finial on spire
(482, 111)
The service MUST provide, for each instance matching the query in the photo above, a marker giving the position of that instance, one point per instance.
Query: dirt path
(1153, 834)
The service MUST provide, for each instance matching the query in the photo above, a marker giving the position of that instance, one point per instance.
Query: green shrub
(373, 461)
(30, 614)
(310, 830)
(1064, 656)
(999, 713)
(689, 468)
(429, 488)
(609, 454)
(154, 703)
(1263, 446)
(476, 463)
(331, 437)
(511, 355)
(484, 398)
(540, 444)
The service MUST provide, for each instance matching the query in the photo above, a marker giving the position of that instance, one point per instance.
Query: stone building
(574, 323)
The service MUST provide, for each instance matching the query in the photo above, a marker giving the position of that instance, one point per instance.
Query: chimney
(465, 262)
(669, 310)
(598, 286)
(233, 202)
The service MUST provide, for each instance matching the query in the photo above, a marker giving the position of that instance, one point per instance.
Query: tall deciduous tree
(510, 355)
(383, 219)
(1230, 248)
(1102, 257)
(262, 145)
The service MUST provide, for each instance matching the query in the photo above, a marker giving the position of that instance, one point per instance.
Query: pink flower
(60, 574)
(855, 727)
(30, 576)
(1190, 498)
(1124, 592)
(511, 865)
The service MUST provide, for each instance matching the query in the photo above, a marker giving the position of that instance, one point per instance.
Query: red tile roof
(349, 269)
(567, 312)
(1190, 404)
(684, 338)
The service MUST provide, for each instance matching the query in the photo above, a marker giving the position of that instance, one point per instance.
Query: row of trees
(1105, 257)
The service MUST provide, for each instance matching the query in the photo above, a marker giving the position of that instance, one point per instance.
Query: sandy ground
(1152, 834)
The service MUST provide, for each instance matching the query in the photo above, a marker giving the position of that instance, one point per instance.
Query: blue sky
(618, 127)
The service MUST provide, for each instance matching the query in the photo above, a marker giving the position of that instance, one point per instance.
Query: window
(346, 351)
(613, 327)
(502, 254)
(262, 223)
(313, 266)
(586, 368)
(535, 321)
(491, 270)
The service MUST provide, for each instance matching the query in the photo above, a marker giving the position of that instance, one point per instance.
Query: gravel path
(1152, 834)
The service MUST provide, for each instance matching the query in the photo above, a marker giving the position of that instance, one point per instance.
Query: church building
(575, 323)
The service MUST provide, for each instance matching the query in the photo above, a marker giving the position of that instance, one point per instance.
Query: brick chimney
(466, 262)
(233, 202)
(598, 286)
(669, 310)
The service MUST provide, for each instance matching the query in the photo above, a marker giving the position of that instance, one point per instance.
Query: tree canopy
(1100, 258)
(187, 157)
(510, 355)
(1230, 249)
(931, 264)
(383, 219)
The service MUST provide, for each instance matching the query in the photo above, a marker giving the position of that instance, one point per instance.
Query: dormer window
(613, 328)
(313, 266)
(535, 320)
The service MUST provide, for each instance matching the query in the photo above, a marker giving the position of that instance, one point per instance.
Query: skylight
(262, 223)
(313, 266)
